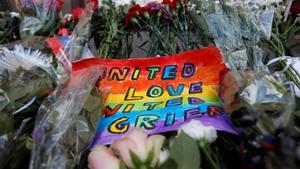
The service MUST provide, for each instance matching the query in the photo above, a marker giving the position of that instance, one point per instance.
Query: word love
(155, 92)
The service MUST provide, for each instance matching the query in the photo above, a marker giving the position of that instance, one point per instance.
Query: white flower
(15, 14)
(163, 156)
(138, 142)
(103, 158)
(258, 2)
(268, 2)
(119, 3)
(198, 131)
(24, 58)
(145, 2)
(68, 17)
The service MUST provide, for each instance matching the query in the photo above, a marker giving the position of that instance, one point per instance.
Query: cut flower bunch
(57, 68)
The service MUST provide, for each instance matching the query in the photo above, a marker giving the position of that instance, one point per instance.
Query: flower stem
(204, 147)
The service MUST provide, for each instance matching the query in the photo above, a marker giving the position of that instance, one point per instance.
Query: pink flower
(102, 158)
(64, 32)
(64, 21)
(138, 142)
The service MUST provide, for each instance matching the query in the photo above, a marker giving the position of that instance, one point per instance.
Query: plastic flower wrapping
(27, 77)
(39, 16)
(150, 84)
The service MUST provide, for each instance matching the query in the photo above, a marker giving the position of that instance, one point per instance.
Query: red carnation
(172, 3)
(129, 16)
(64, 32)
(145, 9)
(136, 10)
(76, 12)
(135, 7)
(59, 4)
(140, 10)
(95, 3)
(295, 9)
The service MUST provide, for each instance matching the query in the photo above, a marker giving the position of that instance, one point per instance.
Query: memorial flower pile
(217, 87)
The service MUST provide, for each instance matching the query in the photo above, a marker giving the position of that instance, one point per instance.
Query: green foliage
(110, 36)
(184, 153)
(279, 43)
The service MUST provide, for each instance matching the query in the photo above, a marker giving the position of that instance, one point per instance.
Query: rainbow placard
(159, 94)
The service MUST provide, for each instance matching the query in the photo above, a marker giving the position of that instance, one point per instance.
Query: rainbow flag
(158, 94)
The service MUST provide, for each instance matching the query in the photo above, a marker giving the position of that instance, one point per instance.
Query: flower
(15, 14)
(140, 144)
(95, 3)
(119, 3)
(130, 17)
(145, 2)
(142, 3)
(136, 10)
(76, 12)
(295, 9)
(139, 9)
(64, 32)
(198, 131)
(155, 6)
(172, 3)
(23, 58)
(68, 17)
(102, 158)
(163, 156)
(260, 3)
(59, 4)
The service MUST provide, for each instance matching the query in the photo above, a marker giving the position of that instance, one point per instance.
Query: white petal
(155, 142)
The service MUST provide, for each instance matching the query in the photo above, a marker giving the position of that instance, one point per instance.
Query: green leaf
(92, 104)
(29, 143)
(169, 164)
(135, 159)
(185, 152)
(7, 123)
(297, 113)
(150, 157)
(122, 165)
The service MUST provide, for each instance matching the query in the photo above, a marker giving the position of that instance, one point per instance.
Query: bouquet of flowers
(51, 84)
(162, 27)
